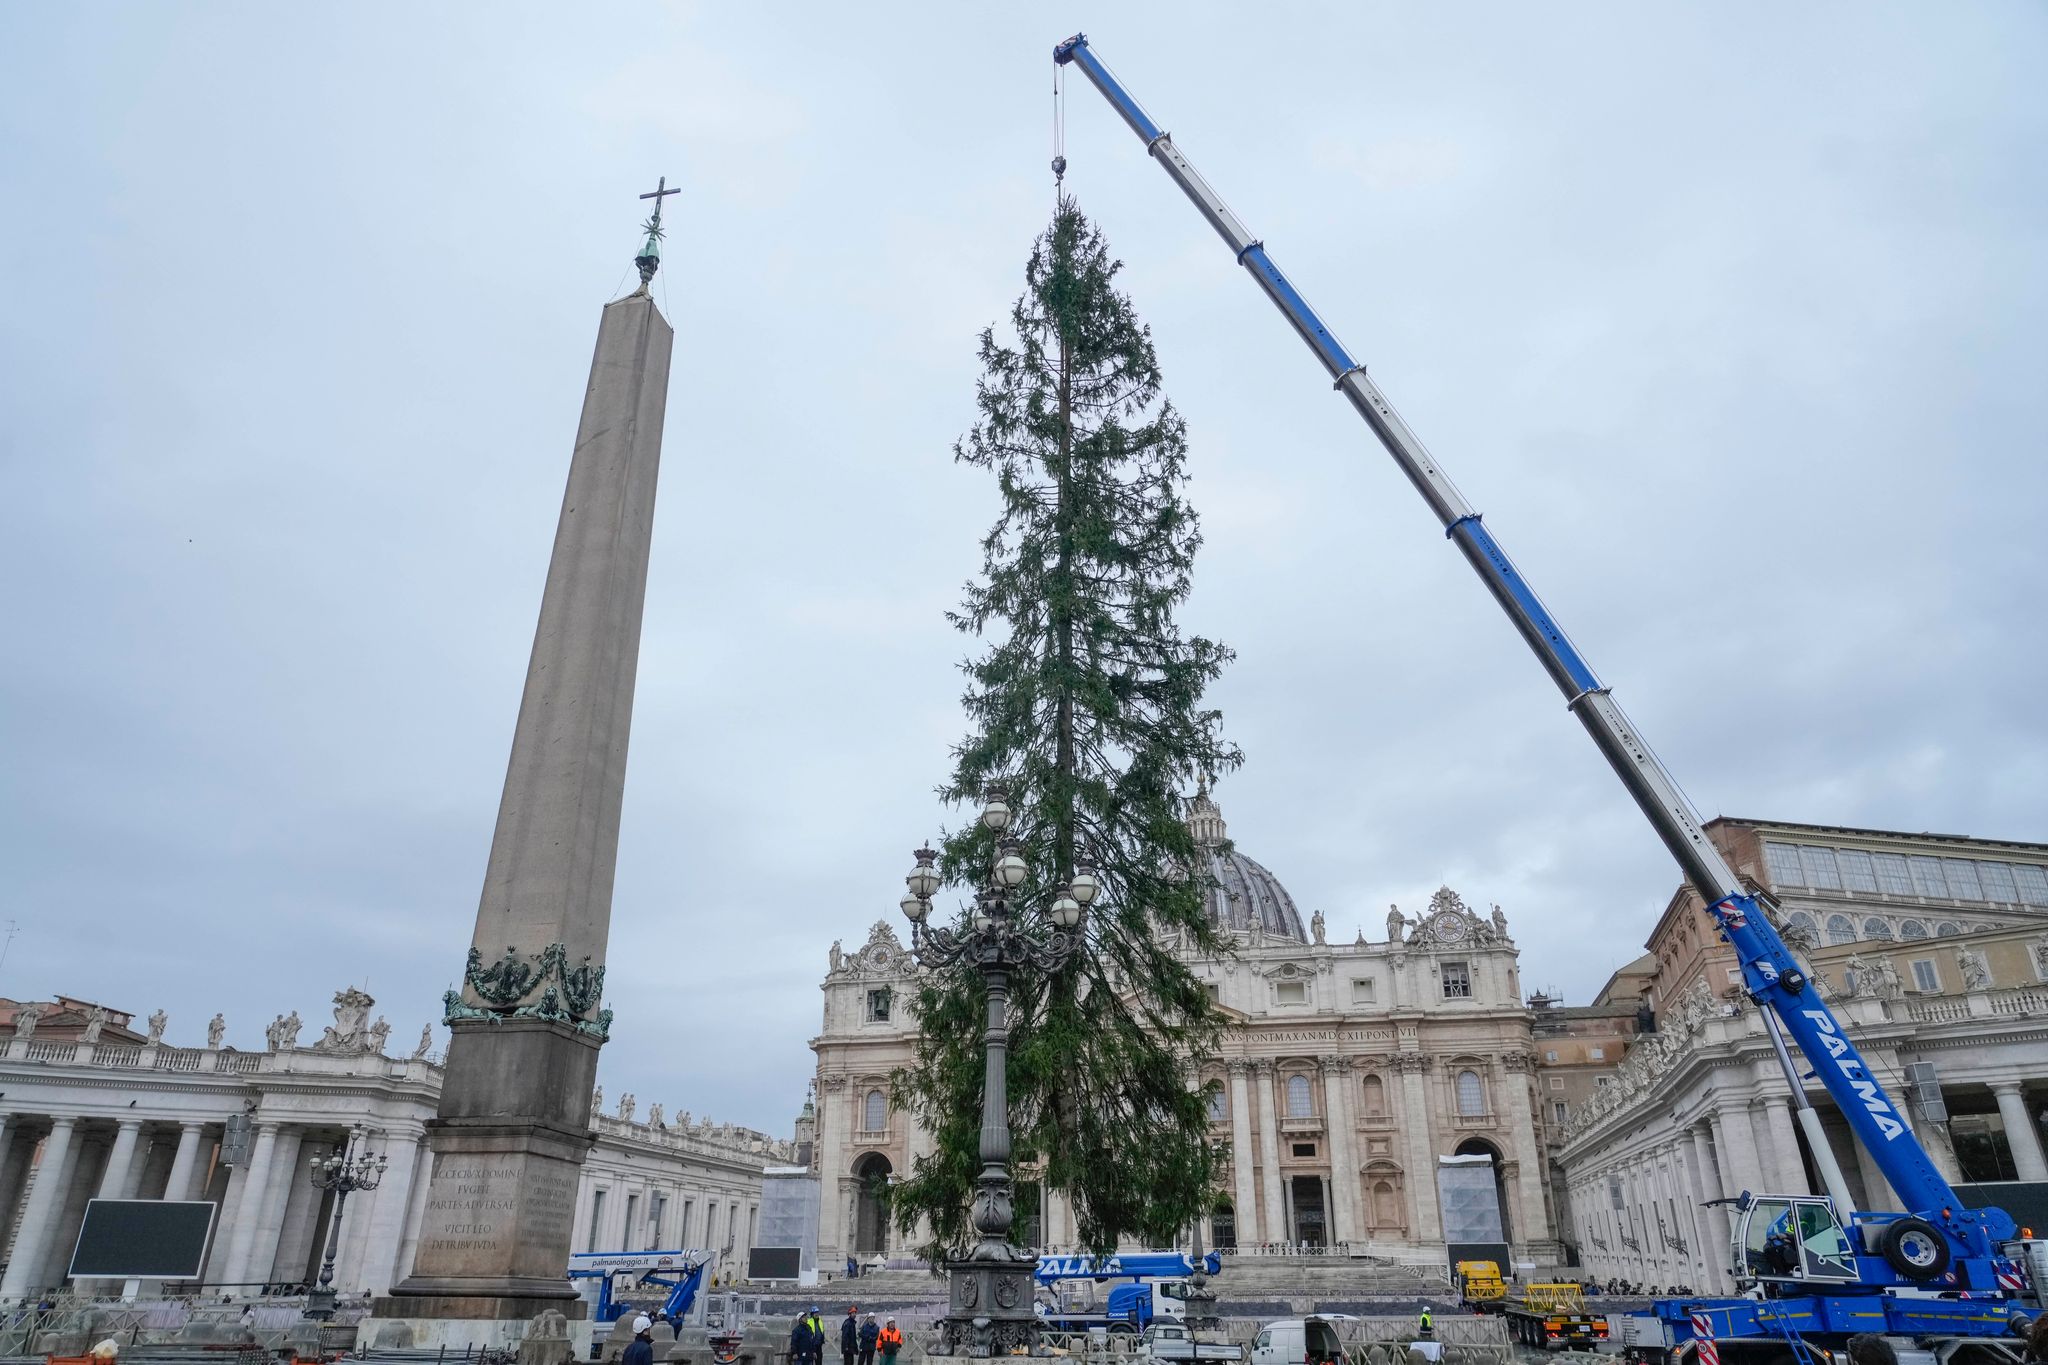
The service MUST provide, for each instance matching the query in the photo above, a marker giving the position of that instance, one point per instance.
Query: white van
(1299, 1341)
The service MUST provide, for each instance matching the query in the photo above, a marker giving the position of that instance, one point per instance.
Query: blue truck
(1945, 1283)
(1142, 1286)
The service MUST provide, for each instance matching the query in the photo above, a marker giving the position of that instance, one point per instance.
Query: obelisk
(513, 1126)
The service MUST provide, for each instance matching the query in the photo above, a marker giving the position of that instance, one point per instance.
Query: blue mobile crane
(1143, 1285)
(1819, 1269)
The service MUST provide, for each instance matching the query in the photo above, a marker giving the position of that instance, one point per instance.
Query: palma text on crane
(1851, 1067)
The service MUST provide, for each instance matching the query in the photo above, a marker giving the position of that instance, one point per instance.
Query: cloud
(1734, 334)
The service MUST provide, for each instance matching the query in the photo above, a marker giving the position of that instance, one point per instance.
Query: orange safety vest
(891, 1339)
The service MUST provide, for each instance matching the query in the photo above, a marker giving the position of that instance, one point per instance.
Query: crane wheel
(1915, 1248)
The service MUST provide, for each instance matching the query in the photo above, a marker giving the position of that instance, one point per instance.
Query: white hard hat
(642, 1323)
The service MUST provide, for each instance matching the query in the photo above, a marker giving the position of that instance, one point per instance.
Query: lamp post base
(320, 1302)
(989, 1309)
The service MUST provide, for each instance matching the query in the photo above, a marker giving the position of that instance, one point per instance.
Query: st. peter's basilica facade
(1377, 1097)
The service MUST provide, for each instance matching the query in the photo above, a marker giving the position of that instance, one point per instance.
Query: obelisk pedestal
(514, 1122)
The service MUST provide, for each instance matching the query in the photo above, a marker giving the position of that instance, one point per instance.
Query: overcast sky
(1731, 318)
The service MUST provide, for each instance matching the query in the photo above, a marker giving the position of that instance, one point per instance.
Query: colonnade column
(249, 1208)
(45, 1200)
(1691, 1270)
(9, 1171)
(1732, 1181)
(1428, 1223)
(384, 1226)
(1531, 1168)
(1243, 1170)
(2020, 1133)
(185, 1165)
(1345, 1224)
(1709, 1224)
(1736, 1136)
(1275, 1212)
(1789, 1173)
(285, 1172)
(115, 1176)
(835, 1123)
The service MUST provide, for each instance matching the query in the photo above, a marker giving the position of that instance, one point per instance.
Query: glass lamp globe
(1066, 911)
(1010, 868)
(1086, 886)
(915, 908)
(996, 813)
(924, 878)
(982, 917)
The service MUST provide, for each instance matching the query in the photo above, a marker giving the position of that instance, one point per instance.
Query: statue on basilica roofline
(216, 1029)
(1976, 975)
(1397, 924)
(375, 1036)
(94, 1022)
(351, 1015)
(426, 1043)
(158, 1022)
(1315, 927)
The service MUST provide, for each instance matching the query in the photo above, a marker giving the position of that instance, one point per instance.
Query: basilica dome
(1239, 892)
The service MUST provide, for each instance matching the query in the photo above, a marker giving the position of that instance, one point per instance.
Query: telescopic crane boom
(1940, 1235)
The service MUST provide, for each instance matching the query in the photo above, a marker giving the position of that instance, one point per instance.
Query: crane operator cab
(1791, 1238)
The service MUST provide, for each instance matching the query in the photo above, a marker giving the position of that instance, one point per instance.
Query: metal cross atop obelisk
(649, 259)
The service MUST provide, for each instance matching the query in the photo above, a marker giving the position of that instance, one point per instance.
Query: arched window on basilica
(1219, 1108)
(1300, 1101)
(1471, 1094)
(1804, 923)
(1912, 928)
(1223, 1226)
(1841, 929)
(874, 1116)
(1372, 1100)
(1876, 928)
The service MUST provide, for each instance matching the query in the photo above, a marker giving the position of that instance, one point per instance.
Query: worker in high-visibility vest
(1428, 1324)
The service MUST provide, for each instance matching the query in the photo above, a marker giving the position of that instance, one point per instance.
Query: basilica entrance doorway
(870, 1220)
(1310, 1225)
(1476, 1196)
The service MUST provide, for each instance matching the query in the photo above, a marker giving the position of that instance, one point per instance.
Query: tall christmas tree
(1087, 703)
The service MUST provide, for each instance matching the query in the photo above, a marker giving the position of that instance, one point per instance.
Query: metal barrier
(1366, 1341)
(1474, 1340)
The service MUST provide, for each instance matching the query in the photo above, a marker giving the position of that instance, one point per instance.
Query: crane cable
(1059, 131)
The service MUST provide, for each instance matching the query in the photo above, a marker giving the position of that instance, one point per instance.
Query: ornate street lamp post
(345, 1172)
(989, 1298)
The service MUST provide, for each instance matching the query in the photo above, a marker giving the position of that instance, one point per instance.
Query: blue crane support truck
(1142, 1286)
(1944, 1282)
(681, 1273)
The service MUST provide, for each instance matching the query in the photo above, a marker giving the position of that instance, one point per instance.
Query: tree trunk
(1063, 620)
